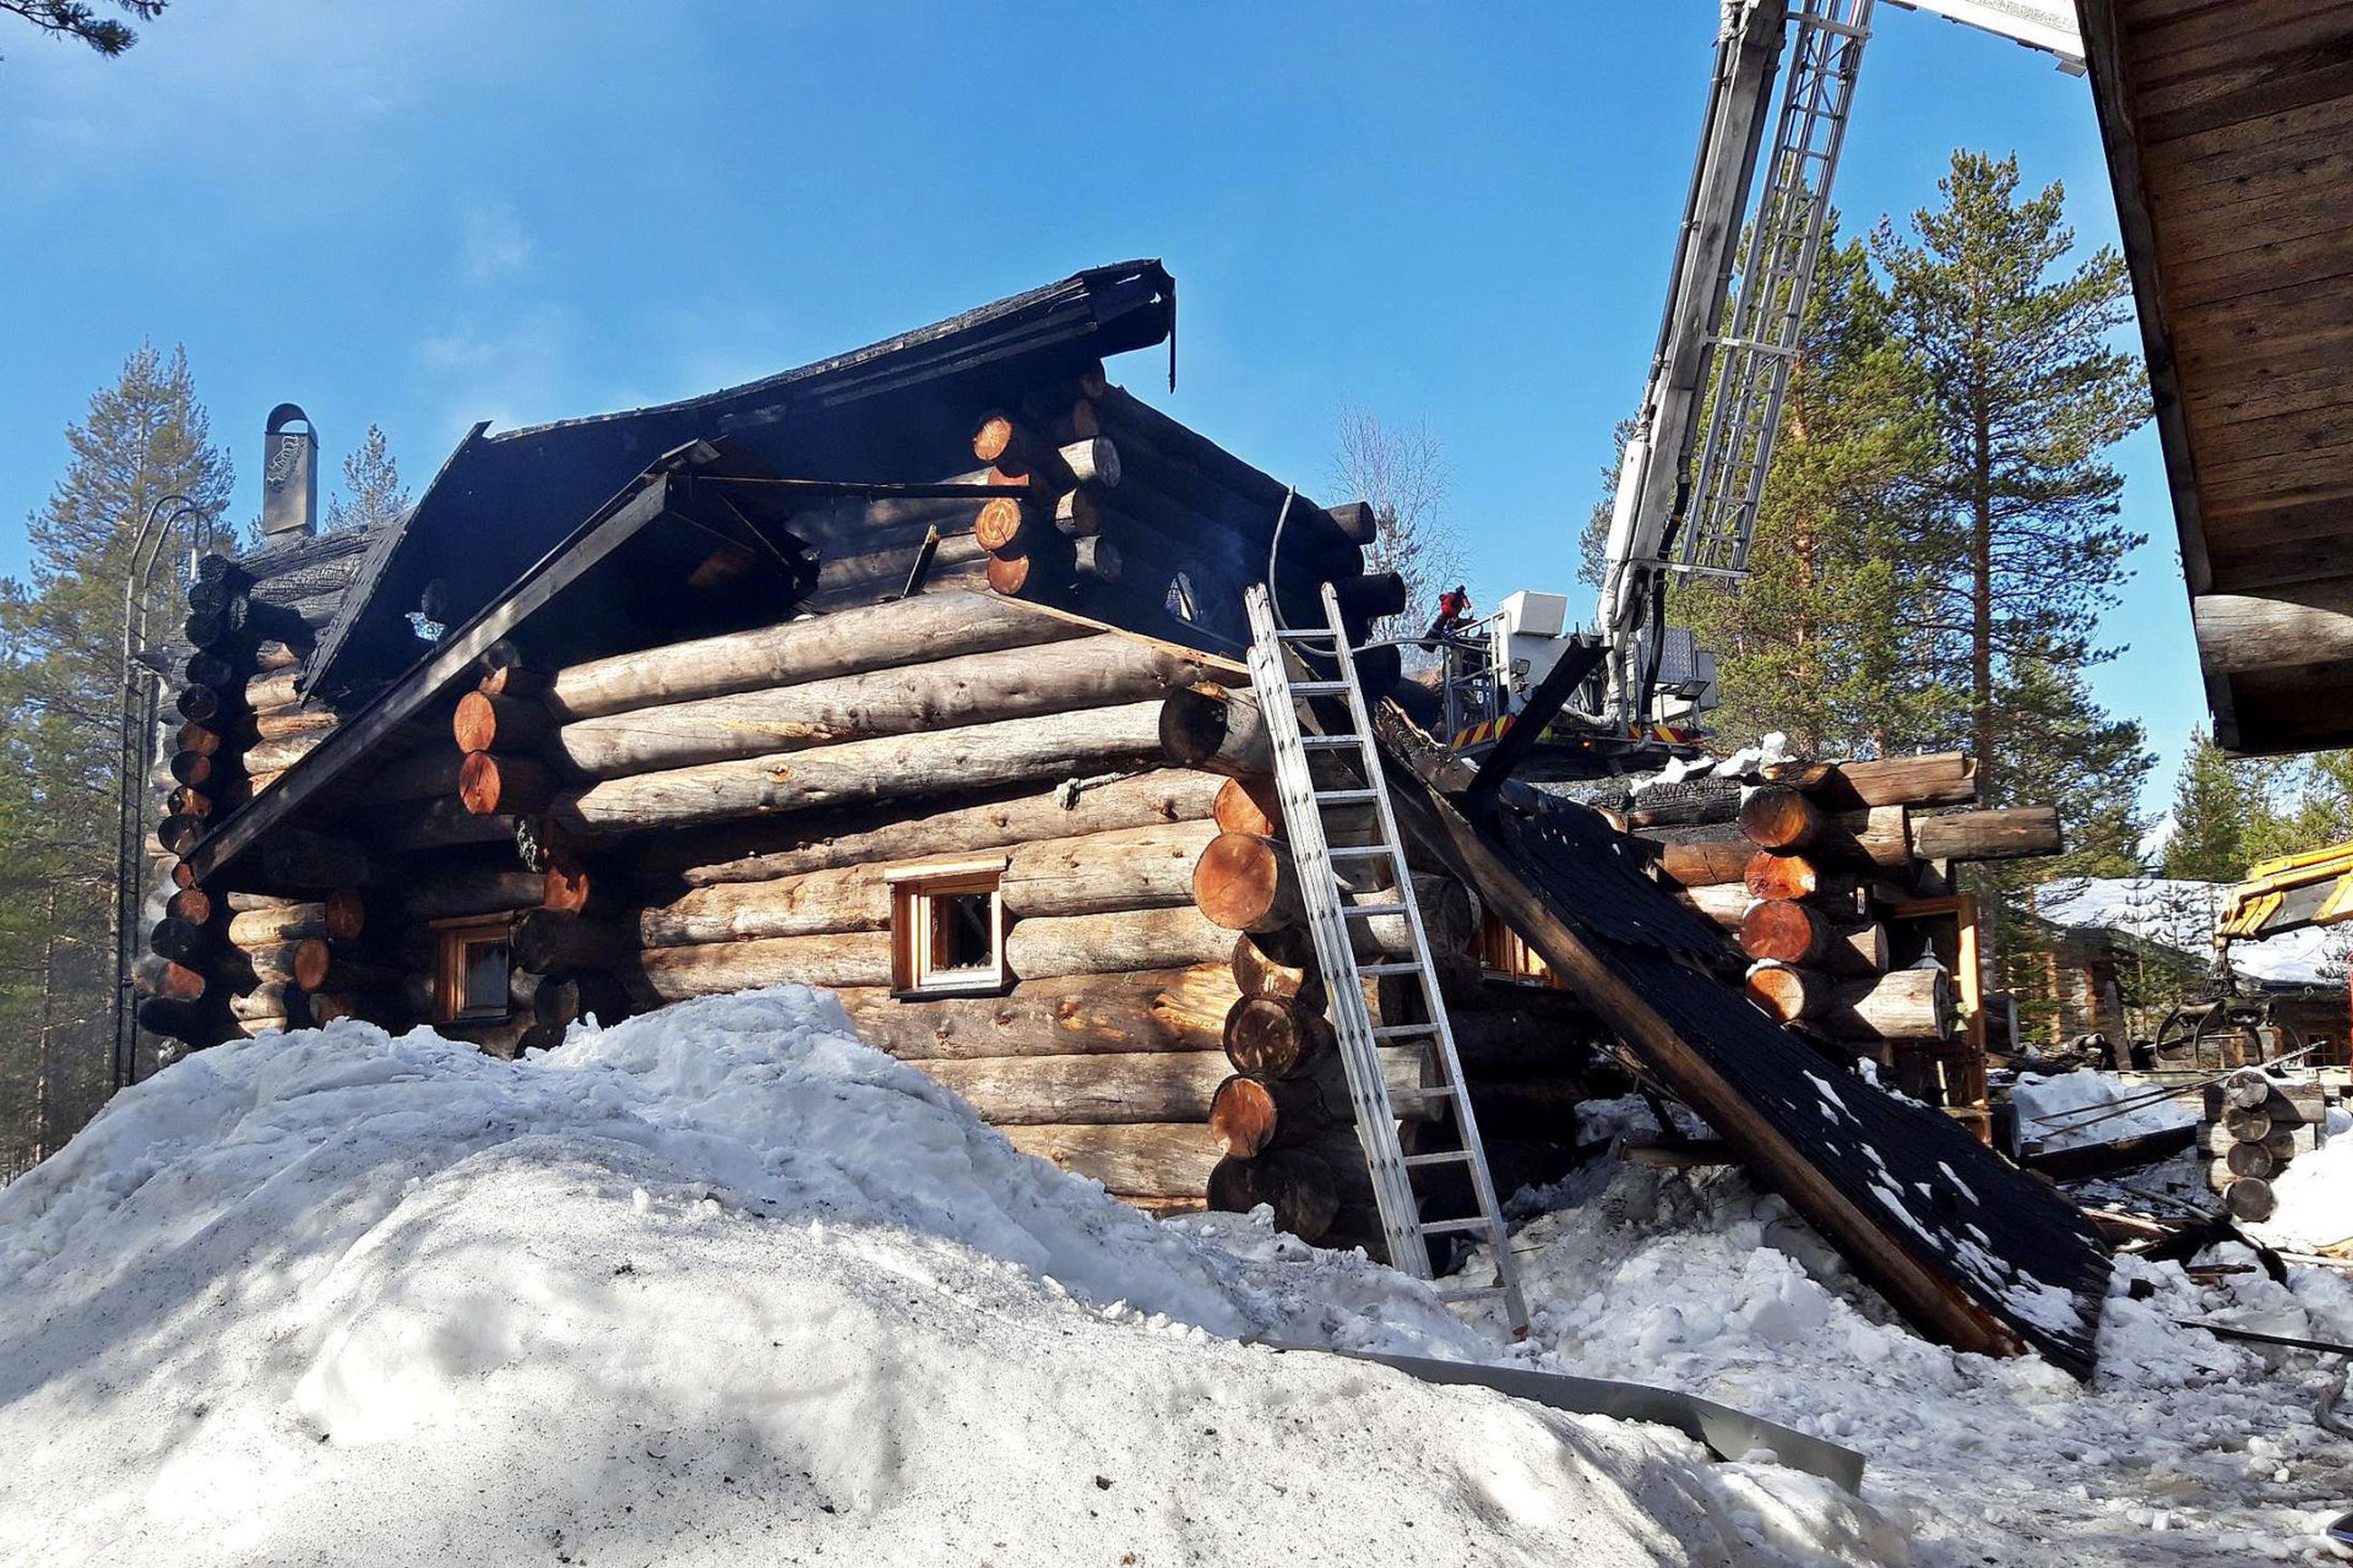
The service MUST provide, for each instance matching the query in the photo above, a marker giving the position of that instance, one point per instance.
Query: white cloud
(495, 243)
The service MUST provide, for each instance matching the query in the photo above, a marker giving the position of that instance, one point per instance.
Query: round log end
(1779, 929)
(1774, 816)
(180, 832)
(566, 885)
(993, 437)
(477, 722)
(1789, 995)
(1298, 1185)
(1247, 805)
(312, 958)
(1000, 524)
(1012, 576)
(1243, 1118)
(2248, 1198)
(1274, 1037)
(346, 914)
(1242, 882)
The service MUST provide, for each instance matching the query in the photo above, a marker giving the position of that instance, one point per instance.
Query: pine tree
(2028, 390)
(2212, 814)
(62, 684)
(371, 492)
(1817, 642)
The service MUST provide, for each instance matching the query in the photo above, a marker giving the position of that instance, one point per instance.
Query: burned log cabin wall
(252, 621)
(948, 788)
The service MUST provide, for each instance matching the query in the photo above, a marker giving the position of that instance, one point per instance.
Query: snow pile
(2315, 1199)
(2179, 914)
(2185, 1449)
(2069, 1110)
(721, 1284)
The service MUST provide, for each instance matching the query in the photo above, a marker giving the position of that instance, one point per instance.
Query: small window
(1504, 956)
(947, 930)
(471, 979)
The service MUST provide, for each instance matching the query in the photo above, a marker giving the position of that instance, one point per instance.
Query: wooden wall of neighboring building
(2229, 126)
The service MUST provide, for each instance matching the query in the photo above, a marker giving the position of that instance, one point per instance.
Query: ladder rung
(1388, 969)
(1317, 635)
(1452, 1227)
(1368, 912)
(1331, 740)
(1318, 687)
(1467, 1292)
(1443, 1157)
(1360, 852)
(1346, 798)
(1399, 1031)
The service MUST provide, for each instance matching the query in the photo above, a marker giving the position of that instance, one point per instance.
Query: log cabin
(915, 674)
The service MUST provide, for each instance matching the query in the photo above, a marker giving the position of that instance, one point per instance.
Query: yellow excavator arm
(2289, 893)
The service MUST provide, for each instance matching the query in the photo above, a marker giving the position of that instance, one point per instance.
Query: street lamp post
(136, 759)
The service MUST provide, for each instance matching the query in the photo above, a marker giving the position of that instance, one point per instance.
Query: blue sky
(433, 212)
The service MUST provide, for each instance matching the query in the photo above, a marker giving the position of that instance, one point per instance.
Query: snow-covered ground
(2068, 1109)
(723, 1285)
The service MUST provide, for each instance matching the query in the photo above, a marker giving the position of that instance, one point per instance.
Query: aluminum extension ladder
(1329, 913)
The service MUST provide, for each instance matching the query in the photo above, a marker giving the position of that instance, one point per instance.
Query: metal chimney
(289, 475)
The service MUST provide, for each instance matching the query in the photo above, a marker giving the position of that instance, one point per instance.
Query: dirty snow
(2316, 1198)
(2183, 1450)
(2070, 1110)
(723, 1285)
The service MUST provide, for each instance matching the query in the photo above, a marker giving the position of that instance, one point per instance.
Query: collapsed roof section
(1966, 1245)
(503, 502)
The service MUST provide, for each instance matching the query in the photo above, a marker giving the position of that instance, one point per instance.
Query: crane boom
(1687, 503)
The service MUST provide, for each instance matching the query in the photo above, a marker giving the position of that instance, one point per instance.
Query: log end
(1242, 1117)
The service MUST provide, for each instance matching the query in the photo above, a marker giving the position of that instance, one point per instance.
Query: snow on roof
(2179, 914)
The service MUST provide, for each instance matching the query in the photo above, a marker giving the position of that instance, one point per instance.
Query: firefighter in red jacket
(1452, 609)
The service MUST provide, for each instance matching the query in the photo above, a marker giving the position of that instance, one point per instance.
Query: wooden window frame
(1505, 959)
(912, 888)
(452, 939)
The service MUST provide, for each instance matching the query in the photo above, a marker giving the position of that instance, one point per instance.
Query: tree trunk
(1057, 746)
(1017, 683)
(929, 626)
(1151, 1010)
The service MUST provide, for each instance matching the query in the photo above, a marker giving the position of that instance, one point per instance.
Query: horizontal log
(1147, 1158)
(176, 981)
(850, 899)
(709, 969)
(1248, 1114)
(1247, 883)
(484, 722)
(278, 689)
(1056, 945)
(1217, 730)
(1125, 868)
(493, 785)
(738, 852)
(408, 827)
(300, 858)
(1058, 745)
(1159, 1085)
(1783, 820)
(1787, 932)
(1936, 778)
(1016, 683)
(202, 740)
(546, 942)
(929, 626)
(1280, 963)
(1301, 1187)
(1701, 863)
(1902, 1005)
(1149, 1010)
(2017, 832)
(178, 1018)
(323, 967)
(283, 723)
(1772, 876)
(1725, 904)
(339, 917)
(437, 894)
(1277, 1037)
(2306, 623)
